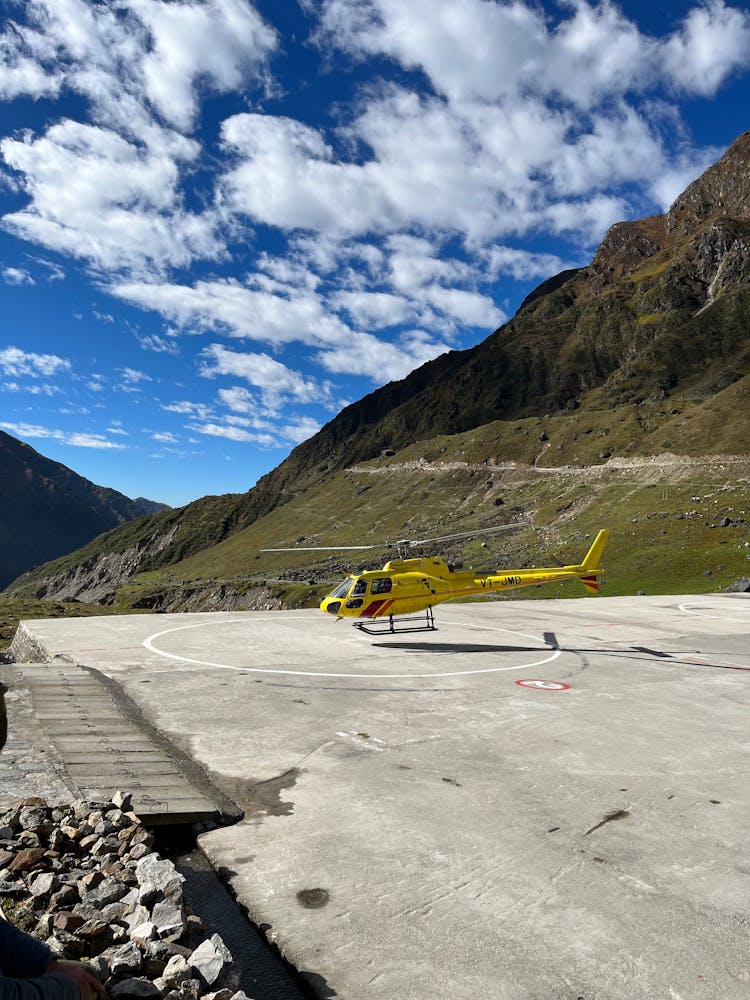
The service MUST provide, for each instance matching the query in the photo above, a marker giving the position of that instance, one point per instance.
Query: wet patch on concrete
(259, 798)
(312, 899)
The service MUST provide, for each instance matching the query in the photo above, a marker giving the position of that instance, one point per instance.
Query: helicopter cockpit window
(383, 585)
(360, 587)
(343, 588)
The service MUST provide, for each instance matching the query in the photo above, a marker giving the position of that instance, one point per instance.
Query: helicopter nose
(332, 607)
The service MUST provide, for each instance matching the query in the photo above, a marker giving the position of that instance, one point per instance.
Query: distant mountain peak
(47, 510)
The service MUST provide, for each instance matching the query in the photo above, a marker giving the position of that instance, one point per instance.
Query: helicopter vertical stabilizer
(591, 562)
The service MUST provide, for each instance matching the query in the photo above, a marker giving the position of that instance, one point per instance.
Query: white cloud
(164, 436)
(299, 430)
(288, 177)
(684, 170)
(21, 76)
(482, 50)
(416, 262)
(375, 309)
(110, 193)
(443, 178)
(468, 308)
(233, 433)
(17, 276)
(198, 411)
(158, 344)
(598, 158)
(468, 169)
(712, 42)
(276, 382)
(587, 216)
(97, 196)
(15, 362)
(80, 440)
(130, 57)
(221, 42)
(77, 439)
(366, 355)
(54, 271)
(229, 306)
(32, 388)
(521, 100)
(20, 72)
(523, 265)
(325, 254)
(131, 376)
(238, 399)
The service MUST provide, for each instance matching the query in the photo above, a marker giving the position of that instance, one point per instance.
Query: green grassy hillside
(680, 524)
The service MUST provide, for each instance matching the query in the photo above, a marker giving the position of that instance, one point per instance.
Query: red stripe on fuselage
(376, 608)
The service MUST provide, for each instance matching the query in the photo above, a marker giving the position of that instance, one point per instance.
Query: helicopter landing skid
(399, 624)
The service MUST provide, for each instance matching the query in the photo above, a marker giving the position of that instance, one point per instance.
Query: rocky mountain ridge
(46, 509)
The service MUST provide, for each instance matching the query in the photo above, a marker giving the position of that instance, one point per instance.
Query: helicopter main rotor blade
(463, 534)
(325, 548)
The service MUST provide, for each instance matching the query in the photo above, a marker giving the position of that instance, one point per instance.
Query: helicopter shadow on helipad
(454, 647)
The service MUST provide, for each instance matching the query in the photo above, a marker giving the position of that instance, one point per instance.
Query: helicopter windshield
(343, 588)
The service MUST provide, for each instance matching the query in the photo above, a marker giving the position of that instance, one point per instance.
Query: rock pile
(86, 880)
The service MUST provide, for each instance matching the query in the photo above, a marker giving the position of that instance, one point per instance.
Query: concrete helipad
(419, 824)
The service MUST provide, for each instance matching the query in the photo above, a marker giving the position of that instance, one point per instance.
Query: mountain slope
(47, 509)
(655, 326)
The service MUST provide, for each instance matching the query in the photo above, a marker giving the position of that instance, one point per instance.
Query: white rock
(123, 800)
(168, 918)
(162, 874)
(144, 933)
(140, 915)
(176, 972)
(210, 958)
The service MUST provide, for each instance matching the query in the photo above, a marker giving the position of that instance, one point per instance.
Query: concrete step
(102, 748)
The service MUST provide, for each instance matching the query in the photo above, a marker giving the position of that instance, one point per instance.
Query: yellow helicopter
(400, 596)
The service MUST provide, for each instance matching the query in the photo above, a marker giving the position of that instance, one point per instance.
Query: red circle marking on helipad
(544, 685)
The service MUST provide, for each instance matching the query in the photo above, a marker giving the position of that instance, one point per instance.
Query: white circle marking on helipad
(688, 609)
(150, 644)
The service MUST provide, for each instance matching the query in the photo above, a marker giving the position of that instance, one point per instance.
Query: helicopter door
(358, 591)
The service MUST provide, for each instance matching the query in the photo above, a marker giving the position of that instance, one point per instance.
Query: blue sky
(222, 221)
